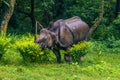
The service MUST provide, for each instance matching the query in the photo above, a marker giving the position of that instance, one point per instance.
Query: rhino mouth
(43, 45)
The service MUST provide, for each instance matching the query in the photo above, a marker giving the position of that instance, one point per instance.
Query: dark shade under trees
(117, 8)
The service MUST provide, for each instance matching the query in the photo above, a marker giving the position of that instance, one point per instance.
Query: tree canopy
(26, 12)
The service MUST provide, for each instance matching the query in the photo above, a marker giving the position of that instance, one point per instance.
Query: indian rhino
(62, 34)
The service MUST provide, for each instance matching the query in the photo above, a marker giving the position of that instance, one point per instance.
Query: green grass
(96, 66)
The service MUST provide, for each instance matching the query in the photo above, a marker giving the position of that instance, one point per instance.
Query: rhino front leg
(58, 56)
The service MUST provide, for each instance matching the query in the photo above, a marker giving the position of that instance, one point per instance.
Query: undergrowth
(15, 48)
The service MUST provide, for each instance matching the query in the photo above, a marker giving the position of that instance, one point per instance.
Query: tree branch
(97, 22)
(6, 3)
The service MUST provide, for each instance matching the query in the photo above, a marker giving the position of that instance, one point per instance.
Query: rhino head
(45, 38)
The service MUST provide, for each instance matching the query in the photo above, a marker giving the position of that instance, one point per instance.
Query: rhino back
(74, 30)
(79, 30)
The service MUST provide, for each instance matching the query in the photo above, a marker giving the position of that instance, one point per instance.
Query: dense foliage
(22, 48)
(79, 50)
(12, 46)
(51, 10)
(25, 46)
(4, 43)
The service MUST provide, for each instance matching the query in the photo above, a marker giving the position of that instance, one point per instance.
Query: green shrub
(113, 45)
(79, 50)
(12, 57)
(116, 44)
(116, 26)
(104, 31)
(110, 43)
(30, 51)
(4, 44)
(98, 46)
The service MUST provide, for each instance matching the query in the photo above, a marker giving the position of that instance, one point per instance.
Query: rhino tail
(87, 37)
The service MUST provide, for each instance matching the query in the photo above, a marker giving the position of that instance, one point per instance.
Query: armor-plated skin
(63, 34)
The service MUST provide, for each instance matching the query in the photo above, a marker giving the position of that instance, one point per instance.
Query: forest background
(45, 11)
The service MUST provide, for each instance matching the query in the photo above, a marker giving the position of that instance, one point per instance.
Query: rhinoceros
(62, 34)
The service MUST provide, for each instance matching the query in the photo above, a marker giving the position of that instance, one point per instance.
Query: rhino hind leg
(68, 58)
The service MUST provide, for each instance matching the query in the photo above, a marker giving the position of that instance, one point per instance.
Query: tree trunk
(32, 16)
(98, 20)
(117, 8)
(7, 17)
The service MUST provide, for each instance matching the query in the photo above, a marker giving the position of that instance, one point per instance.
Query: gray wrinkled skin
(63, 34)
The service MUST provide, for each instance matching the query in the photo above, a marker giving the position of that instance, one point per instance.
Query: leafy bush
(103, 32)
(98, 46)
(113, 45)
(116, 44)
(79, 50)
(11, 57)
(18, 48)
(4, 44)
(116, 26)
(106, 31)
(30, 51)
(83, 48)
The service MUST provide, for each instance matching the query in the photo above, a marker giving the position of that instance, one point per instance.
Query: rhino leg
(68, 58)
(87, 37)
(58, 56)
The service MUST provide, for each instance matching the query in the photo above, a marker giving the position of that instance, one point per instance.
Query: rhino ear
(50, 25)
